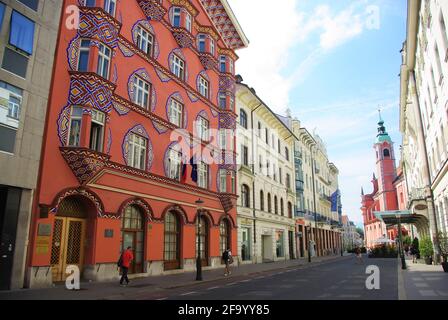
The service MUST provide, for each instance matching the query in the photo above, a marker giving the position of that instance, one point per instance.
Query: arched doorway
(69, 234)
(202, 234)
(172, 241)
(133, 235)
(224, 236)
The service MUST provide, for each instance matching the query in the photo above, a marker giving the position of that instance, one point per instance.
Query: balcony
(208, 61)
(417, 199)
(183, 37)
(324, 197)
(85, 163)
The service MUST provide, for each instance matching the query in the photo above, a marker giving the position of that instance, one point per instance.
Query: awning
(392, 217)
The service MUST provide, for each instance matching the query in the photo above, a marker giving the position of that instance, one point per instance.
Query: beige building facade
(266, 225)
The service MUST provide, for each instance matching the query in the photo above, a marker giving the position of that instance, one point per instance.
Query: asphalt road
(336, 280)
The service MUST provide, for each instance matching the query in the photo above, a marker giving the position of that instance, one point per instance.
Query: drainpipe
(253, 173)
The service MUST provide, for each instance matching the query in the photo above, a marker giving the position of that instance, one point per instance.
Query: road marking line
(245, 280)
(162, 299)
(212, 288)
(231, 284)
(188, 293)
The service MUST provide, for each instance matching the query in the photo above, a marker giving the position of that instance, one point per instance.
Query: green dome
(382, 135)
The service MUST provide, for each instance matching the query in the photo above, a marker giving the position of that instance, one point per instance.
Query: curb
(401, 287)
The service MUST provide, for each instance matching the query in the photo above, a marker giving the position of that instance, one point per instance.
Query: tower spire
(382, 135)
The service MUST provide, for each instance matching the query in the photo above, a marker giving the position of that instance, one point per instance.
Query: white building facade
(424, 113)
(266, 184)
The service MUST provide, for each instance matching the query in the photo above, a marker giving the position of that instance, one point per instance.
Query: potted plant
(442, 239)
(426, 249)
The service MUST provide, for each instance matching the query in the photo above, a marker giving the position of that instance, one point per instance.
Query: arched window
(245, 196)
(386, 153)
(132, 229)
(275, 205)
(289, 210)
(202, 233)
(172, 241)
(261, 200)
(224, 238)
(243, 119)
(269, 203)
(282, 207)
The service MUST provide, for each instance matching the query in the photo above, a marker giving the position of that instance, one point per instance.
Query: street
(335, 278)
(341, 279)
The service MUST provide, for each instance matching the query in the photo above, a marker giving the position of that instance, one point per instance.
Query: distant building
(266, 185)
(384, 194)
(351, 237)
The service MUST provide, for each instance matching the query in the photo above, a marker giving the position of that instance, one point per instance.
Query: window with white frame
(137, 151)
(175, 164)
(203, 175)
(231, 66)
(222, 100)
(14, 107)
(97, 130)
(178, 67)
(233, 180)
(175, 113)
(74, 131)
(142, 92)
(222, 180)
(104, 57)
(203, 128)
(188, 22)
(83, 57)
(110, 6)
(145, 41)
(203, 87)
(176, 17)
(222, 64)
(201, 43)
(222, 139)
(212, 46)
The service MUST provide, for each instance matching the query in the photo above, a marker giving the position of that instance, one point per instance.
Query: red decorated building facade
(136, 92)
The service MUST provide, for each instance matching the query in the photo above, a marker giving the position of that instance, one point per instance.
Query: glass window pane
(22, 32)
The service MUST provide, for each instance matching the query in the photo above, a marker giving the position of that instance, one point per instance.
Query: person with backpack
(124, 263)
(228, 260)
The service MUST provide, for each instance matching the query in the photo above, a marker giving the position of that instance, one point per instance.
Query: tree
(360, 231)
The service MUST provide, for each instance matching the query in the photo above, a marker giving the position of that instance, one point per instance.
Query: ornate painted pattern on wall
(152, 9)
(143, 74)
(89, 90)
(177, 96)
(149, 28)
(161, 129)
(73, 52)
(141, 131)
(96, 24)
(127, 52)
(64, 125)
(109, 141)
(79, 192)
(227, 121)
(193, 97)
(120, 109)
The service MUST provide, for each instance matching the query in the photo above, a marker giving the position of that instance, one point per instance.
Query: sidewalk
(424, 282)
(103, 290)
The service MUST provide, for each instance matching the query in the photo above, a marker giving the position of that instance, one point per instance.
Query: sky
(333, 64)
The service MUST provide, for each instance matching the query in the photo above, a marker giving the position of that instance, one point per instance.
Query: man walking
(228, 260)
(124, 263)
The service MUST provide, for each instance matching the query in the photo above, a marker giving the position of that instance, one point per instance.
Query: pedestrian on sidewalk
(413, 254)
(358, 255)
(228, 260)
(124, 263)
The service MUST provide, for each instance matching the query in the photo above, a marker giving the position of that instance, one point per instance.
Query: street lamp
(309, 244)
(199, 206)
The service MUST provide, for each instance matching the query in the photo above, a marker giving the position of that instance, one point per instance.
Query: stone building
(28, 36)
